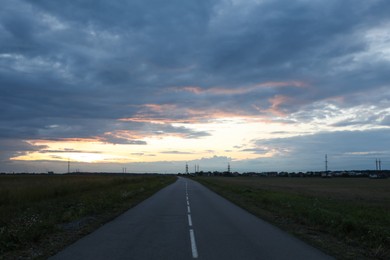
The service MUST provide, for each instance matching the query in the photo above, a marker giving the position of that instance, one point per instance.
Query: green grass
(40, 214)
(349, 218)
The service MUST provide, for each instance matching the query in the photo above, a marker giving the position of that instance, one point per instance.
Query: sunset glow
(152, 87)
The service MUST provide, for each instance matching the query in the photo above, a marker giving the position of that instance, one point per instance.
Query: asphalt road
(187, 221)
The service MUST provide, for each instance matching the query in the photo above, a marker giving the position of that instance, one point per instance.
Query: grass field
(40, 214)
(346, 217)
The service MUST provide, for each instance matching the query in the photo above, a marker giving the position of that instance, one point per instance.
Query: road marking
(192, 235)
(193, 244)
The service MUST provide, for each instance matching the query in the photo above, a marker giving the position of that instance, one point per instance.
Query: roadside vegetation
(40, 214)
(348, 218)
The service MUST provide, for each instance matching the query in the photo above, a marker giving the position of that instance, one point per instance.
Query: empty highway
(187, 221)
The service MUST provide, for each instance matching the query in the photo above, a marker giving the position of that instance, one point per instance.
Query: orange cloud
(242, 90)
(293, 83)
(68, 140)
(276, 102)
(194, 116)
(159, 108)
(124, 134)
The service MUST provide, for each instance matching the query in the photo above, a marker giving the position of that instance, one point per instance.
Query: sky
(148, 86)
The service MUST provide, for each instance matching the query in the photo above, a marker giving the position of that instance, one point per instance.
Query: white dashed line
(193, 244)
(192, 235)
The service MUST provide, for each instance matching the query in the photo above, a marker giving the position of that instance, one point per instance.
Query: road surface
(187, 221)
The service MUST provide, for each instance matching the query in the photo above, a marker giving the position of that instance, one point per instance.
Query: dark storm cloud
(339, 142)
(72, 69)
(256, 150)
(14, 147)
(143, 129)
(175, 152)
(153, 129)
(116, 140)
(348, 149)
(125, 52)
(68, 151)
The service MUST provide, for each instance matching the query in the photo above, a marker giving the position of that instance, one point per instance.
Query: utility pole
(380, 165)
(326, 163)
(376, 164)
(228, 167)
(186, 168)
(68, 165)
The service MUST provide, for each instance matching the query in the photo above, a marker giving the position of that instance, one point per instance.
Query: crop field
(40, 214)
(347, 217)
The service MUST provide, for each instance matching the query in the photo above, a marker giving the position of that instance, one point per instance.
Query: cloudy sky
(150, 85)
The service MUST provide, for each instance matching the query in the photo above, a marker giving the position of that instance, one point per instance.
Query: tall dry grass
(35, 207)
(351, 212)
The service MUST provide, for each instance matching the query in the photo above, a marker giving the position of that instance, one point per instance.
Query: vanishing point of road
(188, 221)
